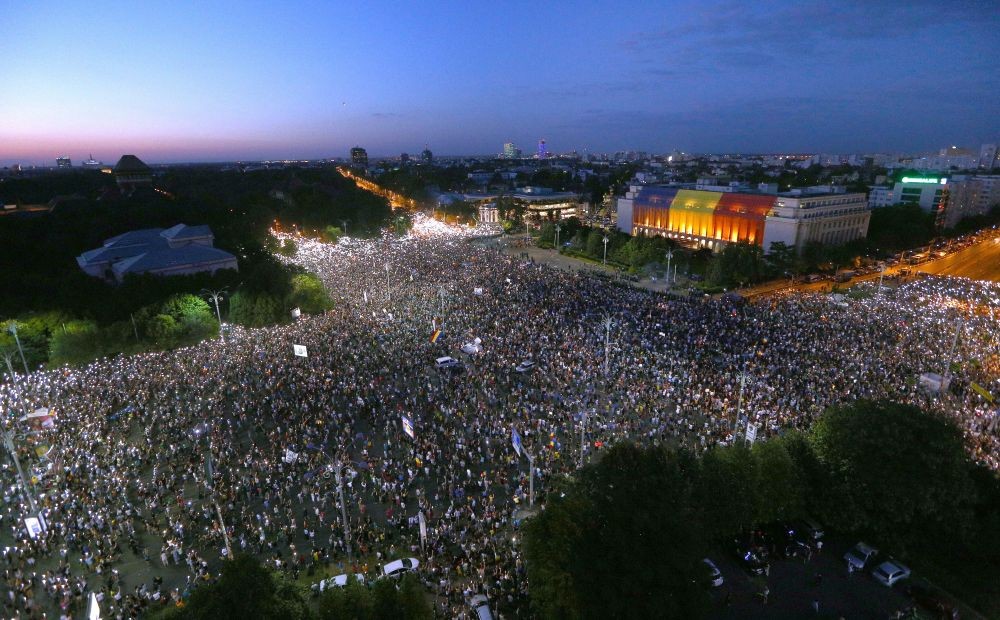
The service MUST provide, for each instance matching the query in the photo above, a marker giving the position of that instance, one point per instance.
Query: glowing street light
(605, 240)
(12, 328)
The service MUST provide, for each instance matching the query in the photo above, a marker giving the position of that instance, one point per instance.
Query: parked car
(525, 366)
(398, 567)
(860, 556)
(888, 573)
(714, 574)
(473, 347)
(481, 607)
(446, 362)
(807, 530)
(336, 582)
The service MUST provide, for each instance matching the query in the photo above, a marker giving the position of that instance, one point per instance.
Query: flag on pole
(408, 426)
(435, 335)
(516, 441)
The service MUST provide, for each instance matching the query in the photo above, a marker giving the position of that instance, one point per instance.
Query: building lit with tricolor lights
(713, 219)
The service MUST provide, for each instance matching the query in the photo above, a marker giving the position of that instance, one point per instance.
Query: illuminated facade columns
(714, 219)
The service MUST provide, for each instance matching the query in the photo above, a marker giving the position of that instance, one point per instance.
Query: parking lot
(793, 587)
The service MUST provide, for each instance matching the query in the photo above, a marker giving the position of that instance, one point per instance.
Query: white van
(481, 607)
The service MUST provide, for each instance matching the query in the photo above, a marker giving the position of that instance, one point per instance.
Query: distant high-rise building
(510, 151)
(63, 162)
(543, 151)
(427, 157)
(359, 156)
(969, 196)
(404, 158)
(92, 164)
(988, 156)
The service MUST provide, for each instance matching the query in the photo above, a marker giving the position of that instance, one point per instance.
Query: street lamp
(8, 441)
(558, 228)
(216, 296)
(605, 240)
(388, 295)
(670, 254)
(946, 375)
(338, 468)
(12, 328)
(204, 430)
(607, 344)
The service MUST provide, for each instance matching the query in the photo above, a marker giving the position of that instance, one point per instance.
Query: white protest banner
(296, 313)
(290, 456)
(300, 350)
(408, 426)
(751, 432)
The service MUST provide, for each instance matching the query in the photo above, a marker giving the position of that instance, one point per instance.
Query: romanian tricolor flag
(435, 335)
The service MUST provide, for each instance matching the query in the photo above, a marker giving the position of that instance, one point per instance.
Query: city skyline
(309, 81)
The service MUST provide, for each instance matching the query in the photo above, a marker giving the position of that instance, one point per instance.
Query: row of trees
(625, 536)
(183, 319)
(47, 293)
(247, 589)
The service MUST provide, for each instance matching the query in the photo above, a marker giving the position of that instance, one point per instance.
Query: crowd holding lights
(124, 482)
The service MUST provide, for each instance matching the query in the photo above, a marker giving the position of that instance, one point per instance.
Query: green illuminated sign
(934, 180)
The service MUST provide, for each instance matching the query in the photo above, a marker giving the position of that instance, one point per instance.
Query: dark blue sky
(176, 80)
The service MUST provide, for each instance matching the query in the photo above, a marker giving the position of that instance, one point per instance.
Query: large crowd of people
(149, 454)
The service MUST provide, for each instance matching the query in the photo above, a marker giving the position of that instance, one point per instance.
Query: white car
(525, 366)
(398, 567)
(714, 574)
(888, 573)
(860, 555)
(481, 607)
(446, 362)
(336, 582)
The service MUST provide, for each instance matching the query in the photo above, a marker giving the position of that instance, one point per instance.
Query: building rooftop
(164, 258)
(183, 231)
(130, 164)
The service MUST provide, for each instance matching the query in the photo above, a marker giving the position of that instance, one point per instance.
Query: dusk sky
(179, 81)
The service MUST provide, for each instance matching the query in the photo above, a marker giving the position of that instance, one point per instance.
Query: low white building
(178, 250)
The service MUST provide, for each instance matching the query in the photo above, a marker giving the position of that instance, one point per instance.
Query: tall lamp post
(215, 296)
(605, 240)
(388, 295)
(670, 255)
(946, 375)
(442, 293)
(12, 328)
(338, 469)
(558, 228)
(607, 345)
(205, 429)
(8, 442)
